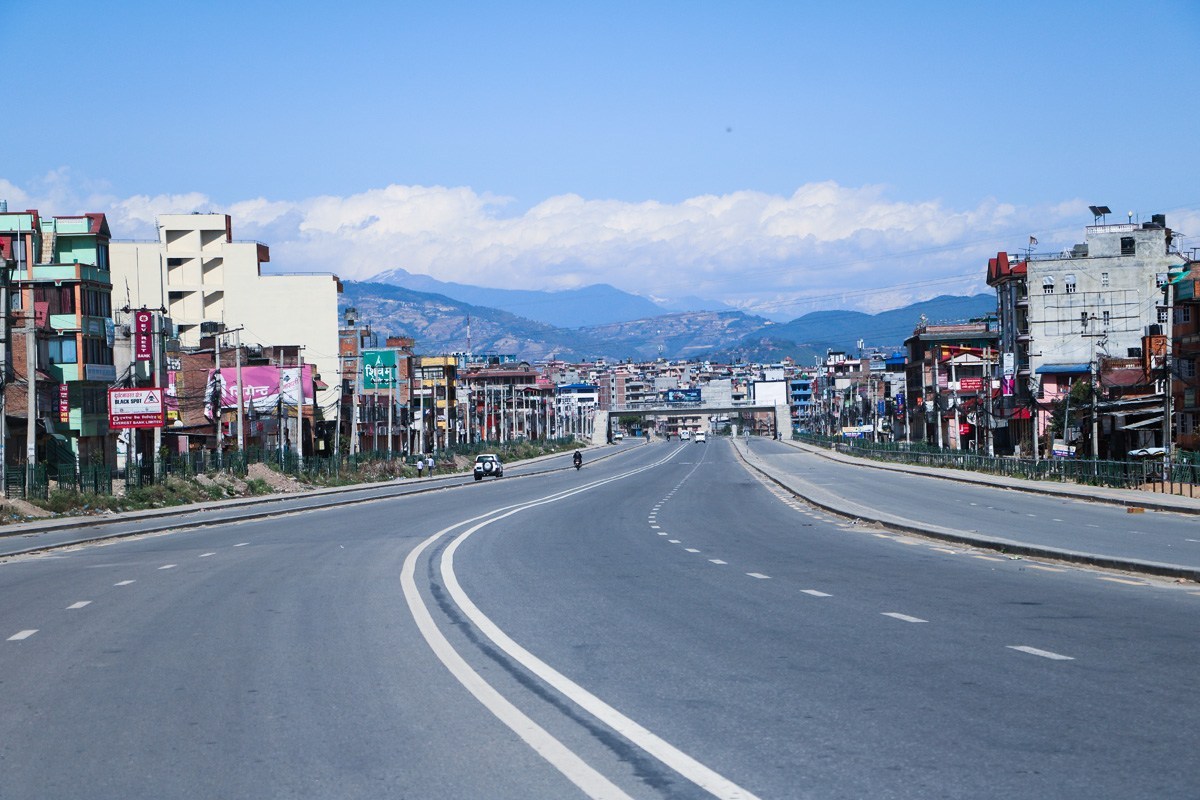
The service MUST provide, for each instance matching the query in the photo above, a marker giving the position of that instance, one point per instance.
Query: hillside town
(120, 352)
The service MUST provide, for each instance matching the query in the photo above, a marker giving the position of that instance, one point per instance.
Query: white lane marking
(987, 558)
(80, 604)
(717, 561)
(206, 555)
(903, 617)
(16, 637)
(1031, 515)
(124, 583)
(946, 550)
(168, 566)
(663, 533)
(568, 763)
(691, 550)
(1122, 580)
(1045, 568)
(814, 593)
(654, 527)
(1090, 525)
(241, 544)
(1033, 651)
(1192, 540)
(759, 575)
(673, 541)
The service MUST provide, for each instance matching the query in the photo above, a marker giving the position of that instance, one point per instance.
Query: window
(1187, 367)
(96, 351)
(1083, 319)
(1104, 279)
(1069, 281)
(1183, 314)
(1107, 317)
(61, 350)
(1126, 245)
(1048, 285)
(1162, 315)
(1160, 279)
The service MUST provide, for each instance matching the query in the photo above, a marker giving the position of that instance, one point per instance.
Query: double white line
(579, 772)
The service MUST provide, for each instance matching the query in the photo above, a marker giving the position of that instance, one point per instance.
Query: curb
(845, 509)
(166, 515)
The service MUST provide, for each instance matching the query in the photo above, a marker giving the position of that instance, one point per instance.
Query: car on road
(487, 465)
(701, 437)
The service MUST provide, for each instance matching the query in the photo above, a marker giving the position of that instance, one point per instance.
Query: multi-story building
(196, 273)
(948, 378)
(59, 298)
(1185, 356)
(1060, 314)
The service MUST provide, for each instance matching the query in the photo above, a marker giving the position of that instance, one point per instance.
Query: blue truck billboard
(683, 395)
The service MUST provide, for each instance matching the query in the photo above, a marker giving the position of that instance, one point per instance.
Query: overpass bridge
(783, 416)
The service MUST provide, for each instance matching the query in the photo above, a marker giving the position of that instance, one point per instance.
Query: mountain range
(602, 327)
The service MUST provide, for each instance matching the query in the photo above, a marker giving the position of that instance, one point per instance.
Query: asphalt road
(659, 624)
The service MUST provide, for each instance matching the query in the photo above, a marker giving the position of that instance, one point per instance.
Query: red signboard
(64, 403)
(143, 327)
(135, 408)
(970, 385)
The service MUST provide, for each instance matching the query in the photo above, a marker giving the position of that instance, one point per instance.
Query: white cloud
(826, 245)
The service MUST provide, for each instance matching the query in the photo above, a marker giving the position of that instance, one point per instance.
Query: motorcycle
(578, 461)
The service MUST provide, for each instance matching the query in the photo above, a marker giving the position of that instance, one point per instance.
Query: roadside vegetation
(260, 479)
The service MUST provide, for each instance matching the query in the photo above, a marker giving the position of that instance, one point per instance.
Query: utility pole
(241, 395)
(937, 395)
(300, 410)
(30, 367)
(220, 398)
(156, 370)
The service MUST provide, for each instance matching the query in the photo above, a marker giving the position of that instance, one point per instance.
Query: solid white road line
(1033, 651)
(903, 617)
(759, 575)
(815, 593)
(80, 604)
(124, 583)
(685, 765)
(16, 637)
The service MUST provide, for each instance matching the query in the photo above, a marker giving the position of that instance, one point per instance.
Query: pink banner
(260, 389)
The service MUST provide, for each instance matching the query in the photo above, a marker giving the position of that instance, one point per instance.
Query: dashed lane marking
(124, 583)
(691, 550)
(22, 635)
(673, 541)
(206, 555)
(241, 544)
(80, 604)
(815, 593)
(1033, 651)
(987, 558)
(903, 617)
(1045, 569)
(1122, 580)
(719, 561)
(168, 566)
(759, 575)
(946, 550)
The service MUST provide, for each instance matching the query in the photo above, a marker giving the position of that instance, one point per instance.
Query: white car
(488, 465)
(701, 437)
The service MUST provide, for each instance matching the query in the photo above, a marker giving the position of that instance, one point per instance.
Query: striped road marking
(1033, 651)
(16, 637)
(903, 617)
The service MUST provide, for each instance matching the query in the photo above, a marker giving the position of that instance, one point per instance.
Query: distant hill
(841, 329)
(598, 304)
(439, 324)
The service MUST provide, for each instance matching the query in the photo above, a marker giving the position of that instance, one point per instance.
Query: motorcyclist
(577, 459)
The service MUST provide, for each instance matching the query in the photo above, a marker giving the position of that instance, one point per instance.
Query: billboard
(683, 395)
(970, 385)
(263, 387)
(135, 408)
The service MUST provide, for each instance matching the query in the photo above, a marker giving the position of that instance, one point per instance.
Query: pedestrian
(420, 466)
(429, 465)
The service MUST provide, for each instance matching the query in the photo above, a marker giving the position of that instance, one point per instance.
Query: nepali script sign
(379, 369)
(135, 408)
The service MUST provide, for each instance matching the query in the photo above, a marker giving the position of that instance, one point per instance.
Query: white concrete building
(198, 273)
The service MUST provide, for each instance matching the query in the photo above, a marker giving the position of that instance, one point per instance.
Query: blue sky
(758, 153)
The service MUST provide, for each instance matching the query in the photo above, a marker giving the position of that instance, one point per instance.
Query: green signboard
(379, 369)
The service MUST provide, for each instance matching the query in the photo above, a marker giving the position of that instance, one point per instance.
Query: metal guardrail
(1176, 478)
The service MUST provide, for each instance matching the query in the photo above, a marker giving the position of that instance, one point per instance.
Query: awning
(320, 384)
(1063, 369)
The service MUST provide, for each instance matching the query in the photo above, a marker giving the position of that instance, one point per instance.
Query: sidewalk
(833, 502)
